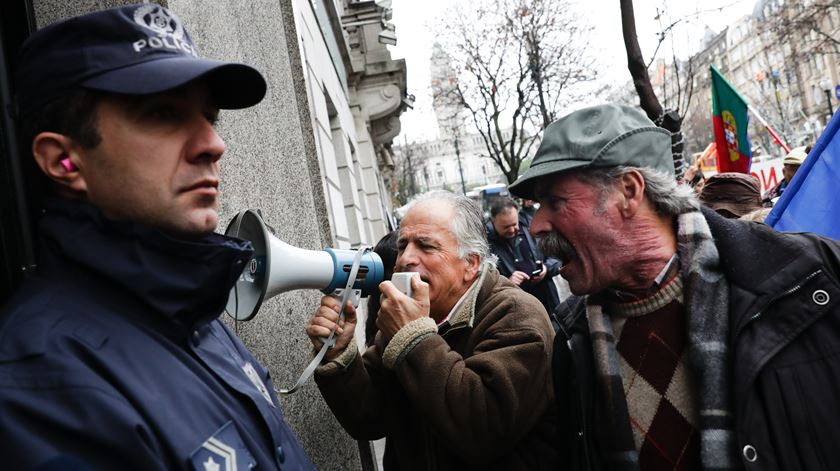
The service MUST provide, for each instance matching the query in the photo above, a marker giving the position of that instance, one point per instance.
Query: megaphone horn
(277, 267)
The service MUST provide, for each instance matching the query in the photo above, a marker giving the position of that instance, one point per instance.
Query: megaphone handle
(329, 342)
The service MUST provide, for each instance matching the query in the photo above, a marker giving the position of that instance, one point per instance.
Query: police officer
(113, 356)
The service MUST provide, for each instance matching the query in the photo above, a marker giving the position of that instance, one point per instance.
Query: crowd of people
(738, 195)
(694, 339)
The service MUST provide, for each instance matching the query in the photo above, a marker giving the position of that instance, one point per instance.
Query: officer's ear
(58, 156)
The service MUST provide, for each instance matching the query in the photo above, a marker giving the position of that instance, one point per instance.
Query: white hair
(467, 223)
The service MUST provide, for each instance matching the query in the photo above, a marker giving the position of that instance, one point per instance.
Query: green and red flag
(730, 123)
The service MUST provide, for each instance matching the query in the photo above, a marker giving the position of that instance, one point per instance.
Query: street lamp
(826, 87)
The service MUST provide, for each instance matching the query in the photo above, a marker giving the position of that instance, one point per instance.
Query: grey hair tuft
(667, 196)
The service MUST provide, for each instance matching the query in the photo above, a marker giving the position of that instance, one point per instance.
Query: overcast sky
(414, 42)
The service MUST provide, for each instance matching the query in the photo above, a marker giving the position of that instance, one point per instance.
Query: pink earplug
(68, 165)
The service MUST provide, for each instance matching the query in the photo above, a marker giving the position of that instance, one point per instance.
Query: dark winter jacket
(784, 338)
(113, 356)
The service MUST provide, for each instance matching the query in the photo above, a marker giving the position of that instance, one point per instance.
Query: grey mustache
(555, 245)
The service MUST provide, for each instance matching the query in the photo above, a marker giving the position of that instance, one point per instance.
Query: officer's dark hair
(502, 205)
(73, 115)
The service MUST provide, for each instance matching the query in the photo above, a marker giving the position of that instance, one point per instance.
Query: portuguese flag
(730, 122)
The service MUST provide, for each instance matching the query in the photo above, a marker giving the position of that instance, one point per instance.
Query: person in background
(790, 165)
(526, 213)
(113, 355)
(561, 287)
(693, 341)
(386, 248)
(693, 177)
(458, 376)
(518, 255)
(732, 194)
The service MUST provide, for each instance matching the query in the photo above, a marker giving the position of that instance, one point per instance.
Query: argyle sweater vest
(651, 338)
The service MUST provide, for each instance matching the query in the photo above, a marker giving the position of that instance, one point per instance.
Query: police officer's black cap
(138, 49)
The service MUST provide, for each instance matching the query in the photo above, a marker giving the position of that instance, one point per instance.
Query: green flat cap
(599, 136)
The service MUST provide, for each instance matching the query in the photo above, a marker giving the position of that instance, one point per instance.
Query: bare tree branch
(667, 119)
(517, 63)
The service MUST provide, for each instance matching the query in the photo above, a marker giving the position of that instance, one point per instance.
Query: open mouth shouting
(556, 246)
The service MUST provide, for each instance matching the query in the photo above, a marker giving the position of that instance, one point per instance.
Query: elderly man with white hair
(458, 376)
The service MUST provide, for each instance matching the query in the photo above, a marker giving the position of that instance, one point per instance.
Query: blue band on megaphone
(371, 271)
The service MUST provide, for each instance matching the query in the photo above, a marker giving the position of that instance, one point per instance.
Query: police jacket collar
(184, 280)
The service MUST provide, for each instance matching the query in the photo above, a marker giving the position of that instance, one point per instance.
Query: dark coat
(113, 355)
(784, 312)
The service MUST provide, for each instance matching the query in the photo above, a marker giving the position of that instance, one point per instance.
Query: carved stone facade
(357, 93)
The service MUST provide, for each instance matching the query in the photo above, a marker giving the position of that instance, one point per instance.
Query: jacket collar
(492, 235)
(760, 263)
(757, 258)
(184, 280)
(464, 310)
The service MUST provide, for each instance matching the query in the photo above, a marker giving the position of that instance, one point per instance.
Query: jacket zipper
(788, 292)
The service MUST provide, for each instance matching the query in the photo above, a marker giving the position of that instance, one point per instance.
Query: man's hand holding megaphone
(326, 320)
(396, 309)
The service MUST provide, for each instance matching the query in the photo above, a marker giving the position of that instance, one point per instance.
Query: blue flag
(811, 202)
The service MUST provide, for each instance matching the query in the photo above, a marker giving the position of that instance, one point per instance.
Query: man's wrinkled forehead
(428, 217)
(550, 184)
(430, 211)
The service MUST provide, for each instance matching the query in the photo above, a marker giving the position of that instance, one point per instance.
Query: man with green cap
(692, 341)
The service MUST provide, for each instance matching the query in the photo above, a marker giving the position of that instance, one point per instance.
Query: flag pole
(769, 129)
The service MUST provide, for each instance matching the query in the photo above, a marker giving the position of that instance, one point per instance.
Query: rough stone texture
(50, 11)
(270, 164)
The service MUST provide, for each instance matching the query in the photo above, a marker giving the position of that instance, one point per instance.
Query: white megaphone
(277, 267)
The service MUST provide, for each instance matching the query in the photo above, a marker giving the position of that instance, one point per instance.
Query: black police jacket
(112, 356)
(785, 345)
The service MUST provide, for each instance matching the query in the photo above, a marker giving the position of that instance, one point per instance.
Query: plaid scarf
(706, 302)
